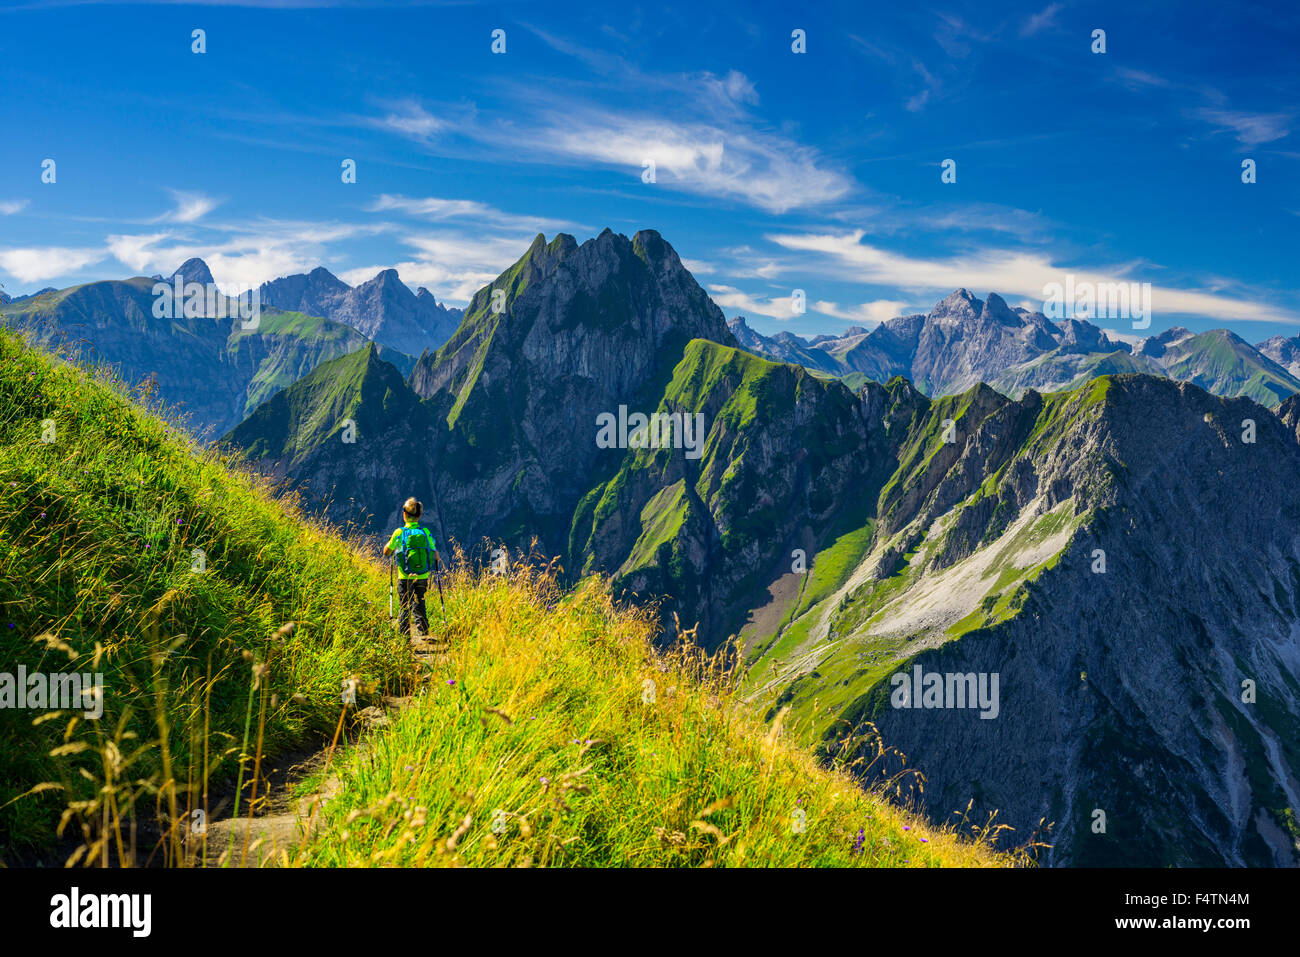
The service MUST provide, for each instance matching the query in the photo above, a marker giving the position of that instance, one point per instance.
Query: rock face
(1285, 352)
(1123, 599)
(1121, 555)
(581, 330)
(964, 340)
(382, 309)
(210, 373)
(194, 270)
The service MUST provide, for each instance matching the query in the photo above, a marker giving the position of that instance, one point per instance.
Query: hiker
(417, 556)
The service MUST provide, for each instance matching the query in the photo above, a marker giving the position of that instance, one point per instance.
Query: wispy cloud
(10, 206)
(411, 119)
(454, 265)
(190, 206)
(240, 256)
(874, 312)
(733, 299)
(1251, 129)
(737, 301)
(1041, 20)
(440, 209)
(765, 170)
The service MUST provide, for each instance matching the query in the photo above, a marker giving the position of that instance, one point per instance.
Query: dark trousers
(410, 597)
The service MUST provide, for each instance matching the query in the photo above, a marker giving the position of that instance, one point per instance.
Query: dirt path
(282, 819)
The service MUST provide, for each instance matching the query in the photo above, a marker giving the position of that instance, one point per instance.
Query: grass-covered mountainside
(98, 573)
(538, 739)
(209, 372)
(553, 735)
(846, 535)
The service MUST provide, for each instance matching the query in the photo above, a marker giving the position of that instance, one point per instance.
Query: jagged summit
(194, 270)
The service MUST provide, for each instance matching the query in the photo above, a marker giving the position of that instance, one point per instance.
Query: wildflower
(409, 767)
(42, 514)
(451, 682)
(545, 781)
(857, 841)
(907, 827)
(925, 840)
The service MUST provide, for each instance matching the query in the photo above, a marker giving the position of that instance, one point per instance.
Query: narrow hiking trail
(279, 818)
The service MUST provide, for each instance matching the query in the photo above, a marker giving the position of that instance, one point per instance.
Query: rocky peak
(194, 270)
(958, 306)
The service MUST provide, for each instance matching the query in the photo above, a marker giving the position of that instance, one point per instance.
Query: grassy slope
(96, 536)
(534, 744)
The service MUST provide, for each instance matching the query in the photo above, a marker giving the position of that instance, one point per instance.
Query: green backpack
(415, 551)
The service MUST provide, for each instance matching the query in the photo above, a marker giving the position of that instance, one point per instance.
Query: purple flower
(42, 514)
(925, 840)
(451, 682)
(857, 841)
(545, 780)
(907, 827)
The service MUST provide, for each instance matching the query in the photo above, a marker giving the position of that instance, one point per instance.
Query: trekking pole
(438, 579)
(390, 590)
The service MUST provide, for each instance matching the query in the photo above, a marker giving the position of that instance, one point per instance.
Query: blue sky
(774, 171)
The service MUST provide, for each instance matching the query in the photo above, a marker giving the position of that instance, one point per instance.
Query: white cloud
(452, 265)
(47, 262)
(1006, 272)
(1041, 20)
(731, 298)
(439, 209)
(720, 157)
(874, 312)
(1251, 129)
(190, 207)
(10, 206)
(411, 119)
(240, 259)
(766, 171)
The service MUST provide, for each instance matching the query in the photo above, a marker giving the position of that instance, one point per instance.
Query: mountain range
(382, 309)
(1120, 558)
(964, 340)
(211, 371)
